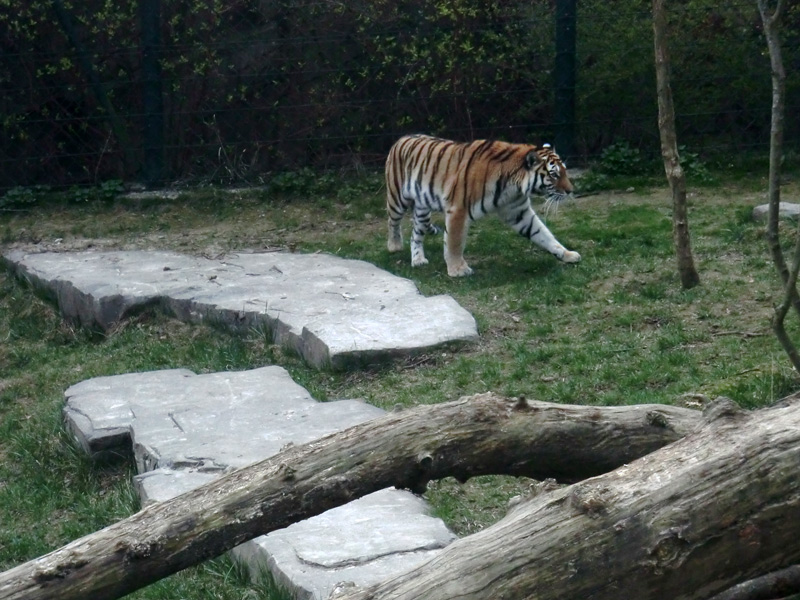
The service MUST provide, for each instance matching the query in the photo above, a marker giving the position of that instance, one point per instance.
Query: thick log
(686, 522)
(480, 435)
(772, 586)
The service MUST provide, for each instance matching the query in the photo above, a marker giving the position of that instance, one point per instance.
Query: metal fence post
(566, 19)
(152, 97)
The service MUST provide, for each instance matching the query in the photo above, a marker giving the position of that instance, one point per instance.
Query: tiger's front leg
(455, 239)
(527, 223)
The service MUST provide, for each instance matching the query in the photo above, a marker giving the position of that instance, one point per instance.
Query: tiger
(427, 174)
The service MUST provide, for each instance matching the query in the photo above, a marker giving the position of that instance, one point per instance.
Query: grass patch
(615, 329)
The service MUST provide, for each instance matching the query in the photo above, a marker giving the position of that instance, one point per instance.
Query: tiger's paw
(571, 257)
(418, 262)
(462, 271)
(394, 241)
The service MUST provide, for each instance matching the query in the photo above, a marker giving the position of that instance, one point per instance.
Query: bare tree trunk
(789, 277)
(684, 523)
(669, 151)
(473, 436)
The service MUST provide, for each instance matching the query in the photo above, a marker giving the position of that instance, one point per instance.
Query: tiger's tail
(396, 205)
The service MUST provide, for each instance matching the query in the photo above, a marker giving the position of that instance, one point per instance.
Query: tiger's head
(549, 174)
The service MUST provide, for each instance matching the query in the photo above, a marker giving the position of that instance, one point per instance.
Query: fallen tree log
(686, 522)
(779, 584)
(480, 435)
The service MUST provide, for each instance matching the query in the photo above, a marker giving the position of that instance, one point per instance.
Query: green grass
(615, 329)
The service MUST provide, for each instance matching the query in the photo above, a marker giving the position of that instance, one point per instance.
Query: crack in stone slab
(178, 425)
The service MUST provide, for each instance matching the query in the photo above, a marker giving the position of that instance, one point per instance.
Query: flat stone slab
(334, 312)
(786, 210)
(215, 422)
(186, 429)
(359, 542)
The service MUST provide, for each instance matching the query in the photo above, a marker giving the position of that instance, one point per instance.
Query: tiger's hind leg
(422, 225)
(396, 209)
(433, 229)
(394, 241)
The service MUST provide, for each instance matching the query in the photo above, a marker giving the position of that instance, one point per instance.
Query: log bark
(669, 151)
(685, 522)
(480, 435)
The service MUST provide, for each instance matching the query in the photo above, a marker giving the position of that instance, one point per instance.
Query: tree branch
(788, 277)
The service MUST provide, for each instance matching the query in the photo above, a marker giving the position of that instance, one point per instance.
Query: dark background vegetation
(251, 88)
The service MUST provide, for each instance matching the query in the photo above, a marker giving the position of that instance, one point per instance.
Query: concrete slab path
(334, 312)
(186, 429)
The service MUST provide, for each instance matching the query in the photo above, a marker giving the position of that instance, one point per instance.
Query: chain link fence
(182, 91)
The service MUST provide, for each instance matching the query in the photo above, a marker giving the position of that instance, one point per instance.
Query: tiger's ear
(532, 159)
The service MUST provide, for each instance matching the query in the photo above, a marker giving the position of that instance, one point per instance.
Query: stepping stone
(334, 312)
(215, 422)
(359, 542)
(786, 210)
(186, 429)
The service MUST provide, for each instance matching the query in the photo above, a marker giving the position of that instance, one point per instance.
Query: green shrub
(696, 171)
(620, 159)
(21, 197)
